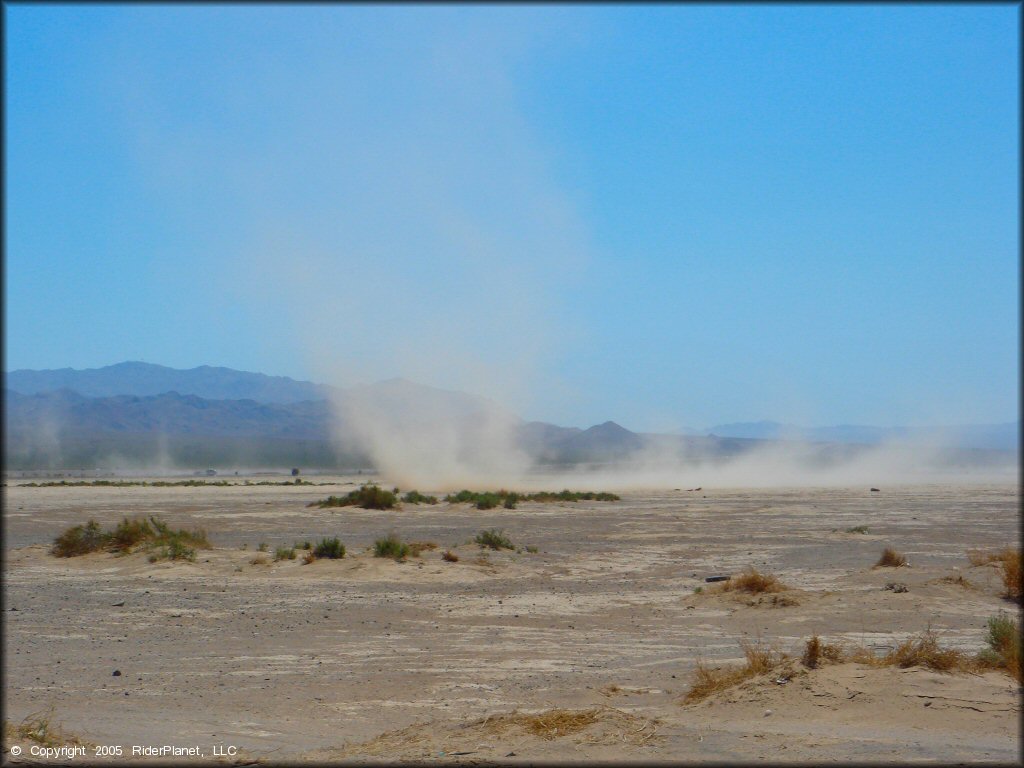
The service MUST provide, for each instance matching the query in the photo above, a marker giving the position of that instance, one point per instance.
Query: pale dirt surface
(369, 659)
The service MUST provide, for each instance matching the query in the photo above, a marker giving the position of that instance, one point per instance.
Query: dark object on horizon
(211, 472)
(295, 472)
(698, 488)
(875, 490)
(711, 579)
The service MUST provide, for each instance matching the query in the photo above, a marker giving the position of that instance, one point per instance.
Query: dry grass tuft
(599, 725)
(752, 582)
(39, 729)
(760, 659)
(1004, 643)
(891, 559)
(1009, 562)
(309, 557)
(415, 547)
(980, 557)
(449, 557)
(1013, 576)
(260, 559)
(957, 580)
(924, 651)
(558, 723)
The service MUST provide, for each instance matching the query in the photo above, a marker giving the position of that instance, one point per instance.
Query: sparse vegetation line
(153, 535)
(509, 499)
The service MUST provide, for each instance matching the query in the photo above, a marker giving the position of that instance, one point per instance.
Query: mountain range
(149, 414)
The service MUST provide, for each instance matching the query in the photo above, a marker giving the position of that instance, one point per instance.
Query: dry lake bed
(582, 650)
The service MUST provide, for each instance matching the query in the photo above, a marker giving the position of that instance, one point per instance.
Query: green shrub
(284, 553)
(493, 539)
(857, 529)
(175, 548)
(415, 497)
(80, 540)
(367, 497)
(390, 546)
(487, 500)
(262, 547)
(128, 533)
(332, 549)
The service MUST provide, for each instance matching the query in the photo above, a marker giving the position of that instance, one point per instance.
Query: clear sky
(664, 215)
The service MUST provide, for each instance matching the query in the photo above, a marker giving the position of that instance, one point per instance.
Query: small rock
(875, 490)
(117, 673)
(117, 605)
(767, 713)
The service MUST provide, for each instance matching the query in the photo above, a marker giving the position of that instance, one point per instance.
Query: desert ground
(366, 658)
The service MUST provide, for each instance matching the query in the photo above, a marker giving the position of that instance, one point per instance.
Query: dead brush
(753, 582)
(416, 547)
(309, 557)
(980, 557)
(924, 651)
(39, 728)
(891, 559)
(1008, 560)
(616, 726)
(1013, 576)
(760, 659)
(449, 557)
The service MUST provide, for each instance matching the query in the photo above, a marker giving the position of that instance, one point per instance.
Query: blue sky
(663, 215)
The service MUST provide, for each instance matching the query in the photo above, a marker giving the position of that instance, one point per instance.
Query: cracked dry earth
(371, 659)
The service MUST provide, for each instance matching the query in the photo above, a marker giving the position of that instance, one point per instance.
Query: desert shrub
(706, 680)
(331, 549)
(416, 547)
(1004, 643)
(891, 559)
(390, 546)
(307, 545)
(493, 539)
(39, 728)
(128, 533)
(260, 559)
(309, 557)
(164, 536)
(80, 540)
(174, 548)
(262, 547)
(367, 497)
(1013, 577)
(449, 557)
(924, 651)
(487, 500)
(415, 497)
(284, 553)
(753, 582)
(979, 557)
(531, 549)
(815, 651)
(857, 529)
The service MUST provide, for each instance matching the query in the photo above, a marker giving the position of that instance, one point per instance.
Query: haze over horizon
(660, 216)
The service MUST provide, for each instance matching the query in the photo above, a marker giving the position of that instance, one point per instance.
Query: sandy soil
(364, 658)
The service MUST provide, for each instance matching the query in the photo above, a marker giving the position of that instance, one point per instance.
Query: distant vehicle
(295, 472)
(211, 472)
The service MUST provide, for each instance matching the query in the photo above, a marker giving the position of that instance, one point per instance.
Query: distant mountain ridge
(209, 415)
(1002, 437)
(143, 379)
